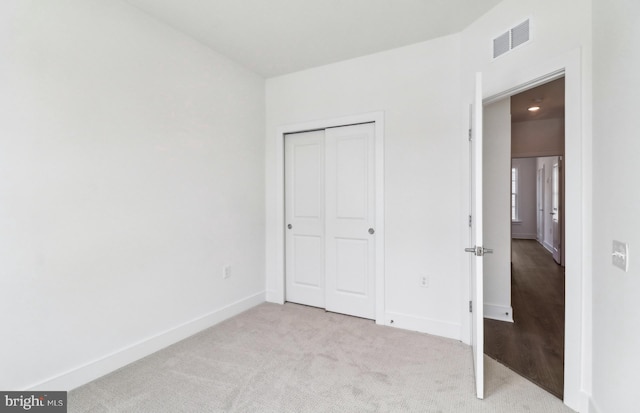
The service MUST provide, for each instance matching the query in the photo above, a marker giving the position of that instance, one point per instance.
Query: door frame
(278, 295)
(476, 232)
(578, 227)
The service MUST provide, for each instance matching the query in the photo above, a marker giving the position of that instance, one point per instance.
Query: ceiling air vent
(515, 37)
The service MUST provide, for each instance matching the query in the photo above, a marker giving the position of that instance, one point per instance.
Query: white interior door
(478, 251)
(350, 219)
(304, 217)
(555, 211)
(540, 204)
(330, 216)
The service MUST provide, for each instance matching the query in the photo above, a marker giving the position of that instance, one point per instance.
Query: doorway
(533, 345)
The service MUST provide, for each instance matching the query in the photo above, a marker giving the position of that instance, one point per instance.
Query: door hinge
(470, 221)
(471, 306)
(470, 133)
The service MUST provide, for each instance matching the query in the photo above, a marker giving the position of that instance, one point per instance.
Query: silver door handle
(479, 251)
(372, 231)
(289, 226)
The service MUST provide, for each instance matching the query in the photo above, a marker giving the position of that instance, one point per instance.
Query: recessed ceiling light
(534, 108)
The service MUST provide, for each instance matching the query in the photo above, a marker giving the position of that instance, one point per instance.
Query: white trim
(423, 325)
(526, 85)
(498, 312)
(589, 405)
(94, 369)
(277, 295)
(547, 246)
(537, 154)
(274, 296)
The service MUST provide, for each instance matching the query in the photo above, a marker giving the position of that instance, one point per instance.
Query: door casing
(578, 228)
(476, 234)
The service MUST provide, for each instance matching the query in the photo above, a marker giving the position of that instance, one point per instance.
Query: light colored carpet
(293, 358)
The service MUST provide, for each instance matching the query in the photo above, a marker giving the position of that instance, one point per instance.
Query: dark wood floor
(532, 346)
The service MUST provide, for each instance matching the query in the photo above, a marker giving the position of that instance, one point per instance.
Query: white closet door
(350, 218)
(304, 217)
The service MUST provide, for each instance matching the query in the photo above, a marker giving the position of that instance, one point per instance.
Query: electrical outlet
(226, 272)
(424, 281)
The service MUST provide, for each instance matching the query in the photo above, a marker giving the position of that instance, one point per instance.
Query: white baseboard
(591, 406)
(275, 297)
(517, 235)
(548, 246)
(498, 312)
(423, 325)
(92, 370)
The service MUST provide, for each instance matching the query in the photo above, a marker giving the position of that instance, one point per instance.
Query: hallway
(532, 346)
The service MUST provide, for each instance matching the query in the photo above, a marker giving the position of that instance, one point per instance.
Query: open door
(540, 204)
(478, 251)
(556, 206)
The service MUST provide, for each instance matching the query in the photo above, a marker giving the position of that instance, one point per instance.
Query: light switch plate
(620, 255)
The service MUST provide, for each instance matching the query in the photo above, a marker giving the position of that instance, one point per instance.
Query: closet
(330, 219)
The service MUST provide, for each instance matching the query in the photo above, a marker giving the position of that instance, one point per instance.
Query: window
(514, 194)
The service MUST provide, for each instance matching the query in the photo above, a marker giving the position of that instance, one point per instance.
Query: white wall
(526, 228)
(543, 137)
(418, 89)
(561, 39)
(557, 28)
(616, 315)
(131, 164)
(496, 178)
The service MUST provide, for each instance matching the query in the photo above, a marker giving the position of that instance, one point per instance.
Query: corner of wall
(94, 369)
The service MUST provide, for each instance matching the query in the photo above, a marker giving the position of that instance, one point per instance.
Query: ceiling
(550, 98)
(275, 37)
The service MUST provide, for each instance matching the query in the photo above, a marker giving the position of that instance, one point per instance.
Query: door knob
(289, 226)
(372, 231)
